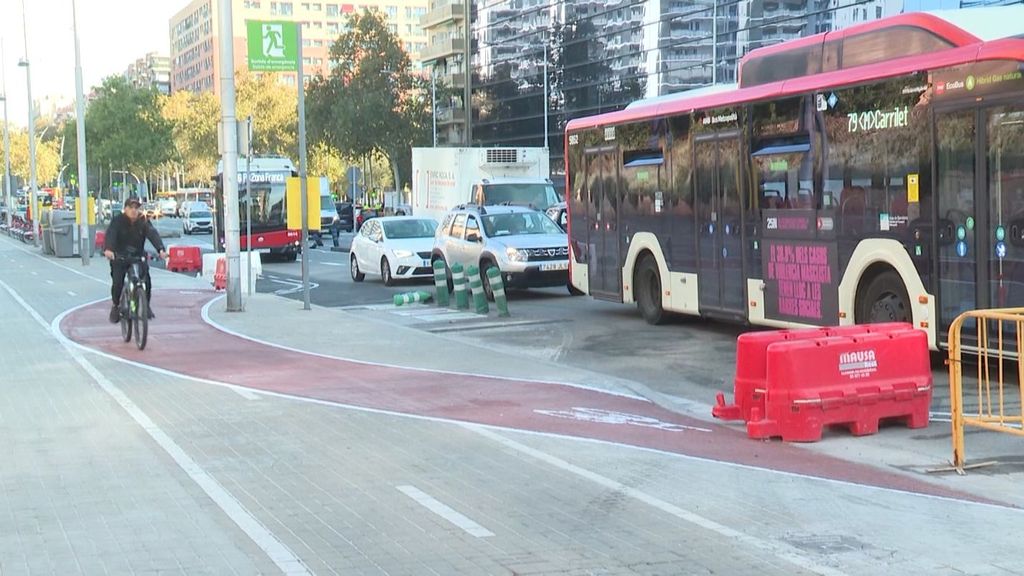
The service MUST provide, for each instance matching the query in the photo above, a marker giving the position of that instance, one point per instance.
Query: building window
(286, 8)
(306, 42)
(393, 28)
(273, 8)
(318, 25)
(332, 11)
(317, 7)
(332, 27)
(305, 6)
(392, 11)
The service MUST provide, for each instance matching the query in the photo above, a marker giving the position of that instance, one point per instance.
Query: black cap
(133, 201)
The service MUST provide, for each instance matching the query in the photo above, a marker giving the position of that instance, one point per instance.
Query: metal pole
(7, 144)
(83, 175)
(229, 125)
(545, 93)
(433, 99)
(304, 207)
(36, 217)
(248, 199)
(714, 43)
(467, 93)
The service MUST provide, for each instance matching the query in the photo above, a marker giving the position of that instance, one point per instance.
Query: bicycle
(134, 303)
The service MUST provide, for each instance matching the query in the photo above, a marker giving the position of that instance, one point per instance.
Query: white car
(395, 247)
(197, 220)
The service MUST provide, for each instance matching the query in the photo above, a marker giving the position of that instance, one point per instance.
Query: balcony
(443, 49)
(450, 116)
(454, 80)
(453, 12)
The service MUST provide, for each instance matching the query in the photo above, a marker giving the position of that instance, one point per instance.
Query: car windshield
(399, 229)
(518, 223)
(200, 215)
(539, 196)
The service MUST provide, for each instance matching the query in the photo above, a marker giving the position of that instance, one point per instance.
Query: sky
(112, 33)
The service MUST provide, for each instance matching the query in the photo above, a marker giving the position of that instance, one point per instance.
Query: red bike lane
(181, 341)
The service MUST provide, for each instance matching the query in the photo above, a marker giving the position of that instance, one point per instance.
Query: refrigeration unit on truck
(447, 177)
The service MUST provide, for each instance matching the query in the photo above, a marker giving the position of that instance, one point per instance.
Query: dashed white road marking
(445, 511)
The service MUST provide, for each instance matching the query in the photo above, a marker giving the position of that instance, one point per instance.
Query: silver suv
(528, 248)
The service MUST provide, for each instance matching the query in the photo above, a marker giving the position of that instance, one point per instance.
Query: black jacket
(123, 235)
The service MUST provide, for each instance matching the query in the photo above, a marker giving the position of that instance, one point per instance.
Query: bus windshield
(537, 195)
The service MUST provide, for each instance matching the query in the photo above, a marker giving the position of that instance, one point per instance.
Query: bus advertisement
(266, 187)
(874, 173)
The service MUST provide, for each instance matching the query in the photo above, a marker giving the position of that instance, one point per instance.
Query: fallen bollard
(409, 297)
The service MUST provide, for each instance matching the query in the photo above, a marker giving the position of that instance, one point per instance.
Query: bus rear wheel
(884, 299)
(647, 289)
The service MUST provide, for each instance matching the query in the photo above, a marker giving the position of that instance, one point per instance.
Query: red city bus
(874, 173)
(266, 183)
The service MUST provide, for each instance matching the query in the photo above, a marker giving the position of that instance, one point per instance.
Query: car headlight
(402, 253)
(517, 254)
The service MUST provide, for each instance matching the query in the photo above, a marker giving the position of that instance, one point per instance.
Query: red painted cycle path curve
(181, 333)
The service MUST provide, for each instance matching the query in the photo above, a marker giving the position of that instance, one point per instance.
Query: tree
(125, 127)
(47, 158)
(275, 111)
(370, 101)
(193, 118)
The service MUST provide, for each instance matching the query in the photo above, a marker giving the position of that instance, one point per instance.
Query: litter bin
(46, 231)
(66, 234)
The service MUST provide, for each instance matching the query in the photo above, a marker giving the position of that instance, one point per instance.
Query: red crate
(854, 381)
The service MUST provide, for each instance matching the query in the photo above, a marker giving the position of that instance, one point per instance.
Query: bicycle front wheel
(141, 319)
(126, 317)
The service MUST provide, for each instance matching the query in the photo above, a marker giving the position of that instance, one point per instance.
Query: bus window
(785, 181)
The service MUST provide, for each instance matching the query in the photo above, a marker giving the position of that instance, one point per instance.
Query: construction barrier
(441, 283)
(220, 277)
(409, 297)
(476, 286)
(184, 259)
(992, 401)
(101, 239)
(461, 294)
(498, 289)
(752, 363)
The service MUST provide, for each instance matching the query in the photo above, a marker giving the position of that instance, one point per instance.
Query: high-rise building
(150, 70)
(444, 58)
(195, 34)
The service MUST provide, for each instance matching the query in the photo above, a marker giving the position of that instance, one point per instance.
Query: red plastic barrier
(852, 381)
(184, 259)
(751, 363)
(101, 239)
(220, 275)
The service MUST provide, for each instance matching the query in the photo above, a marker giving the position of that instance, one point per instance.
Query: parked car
(168, 207)
(526, 246)
(346, 216)
(364, 214)
(197, 220)
(152, 210)
(395, 247)
(558, 214)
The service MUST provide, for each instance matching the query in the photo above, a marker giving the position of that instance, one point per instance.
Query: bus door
(604, 261)
(980, 183)
(721, 286)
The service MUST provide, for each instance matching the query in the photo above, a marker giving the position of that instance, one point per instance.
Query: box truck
(447, 177)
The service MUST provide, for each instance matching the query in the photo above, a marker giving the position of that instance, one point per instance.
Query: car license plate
(554, 266)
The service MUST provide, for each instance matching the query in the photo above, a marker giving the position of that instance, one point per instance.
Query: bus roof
(262, 164)
(1005, 49)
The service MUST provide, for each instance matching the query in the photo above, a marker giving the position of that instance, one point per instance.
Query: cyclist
(127, 235)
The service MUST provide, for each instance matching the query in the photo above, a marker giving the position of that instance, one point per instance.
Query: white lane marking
(245, 393)
(49, 282)
(206, 318)
(277, 551)
(296, 286)
(610, 417)
(34, 273)
(70, 293)
(331, 264)
(445, 511)
(778, 549)
(55, 327)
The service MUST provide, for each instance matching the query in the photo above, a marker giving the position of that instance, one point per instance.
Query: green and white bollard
(498, 289)
(441, 283)
(408, 297)
(476, 286)
(459, 279)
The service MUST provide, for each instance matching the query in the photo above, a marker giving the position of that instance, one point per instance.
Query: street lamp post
(8, 191)
(83, 176)
(31, 134)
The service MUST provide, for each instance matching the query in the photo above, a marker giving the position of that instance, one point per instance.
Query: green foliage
(125, 127)
(370, 101)
(47, 158)
(193, 118)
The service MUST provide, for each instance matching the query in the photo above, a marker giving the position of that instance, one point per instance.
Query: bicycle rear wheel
(141, 319)
(126, 317)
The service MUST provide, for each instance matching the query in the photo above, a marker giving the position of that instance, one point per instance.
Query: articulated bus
(874, 173)
(266, 184)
